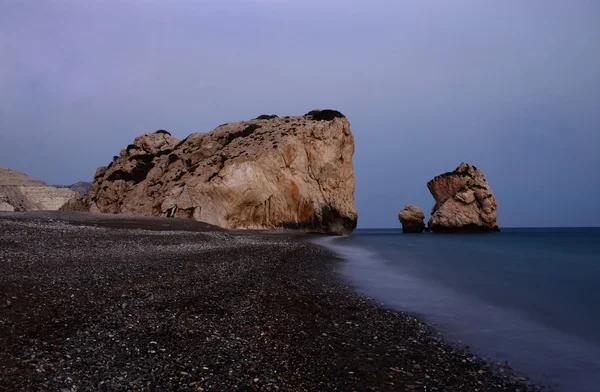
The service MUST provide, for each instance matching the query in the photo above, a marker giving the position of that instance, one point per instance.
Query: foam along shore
(105, 302)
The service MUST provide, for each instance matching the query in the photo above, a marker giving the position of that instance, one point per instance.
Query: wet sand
(116, 303)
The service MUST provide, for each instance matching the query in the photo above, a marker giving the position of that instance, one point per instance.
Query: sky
(510, 86)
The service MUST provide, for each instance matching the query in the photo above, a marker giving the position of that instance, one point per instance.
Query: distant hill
(10, 177)
(81, 187)
(19, 192)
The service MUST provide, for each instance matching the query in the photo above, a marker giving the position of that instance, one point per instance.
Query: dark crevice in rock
(479, 204)
(247, 131)
(173, 158)
(221, 165)
(330, 222)
(146, 158)
(137, 174)
(461, 201)
(149, 157)
(478, 186)
(144, 163)
(164, 152)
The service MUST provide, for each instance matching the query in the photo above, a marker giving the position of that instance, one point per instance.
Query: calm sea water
(530, 297)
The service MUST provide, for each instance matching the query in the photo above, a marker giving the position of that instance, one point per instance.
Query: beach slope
(104, 302)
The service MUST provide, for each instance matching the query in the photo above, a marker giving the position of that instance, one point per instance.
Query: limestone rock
(464, 202)
(18, 192)
(411, 217)
(266, 173)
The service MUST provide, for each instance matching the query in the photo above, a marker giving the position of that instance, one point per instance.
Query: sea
(529, 297)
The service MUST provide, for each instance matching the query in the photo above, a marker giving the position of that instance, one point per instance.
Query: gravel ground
(92, 302)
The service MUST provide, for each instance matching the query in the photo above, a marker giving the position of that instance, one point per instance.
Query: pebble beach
(119, 303)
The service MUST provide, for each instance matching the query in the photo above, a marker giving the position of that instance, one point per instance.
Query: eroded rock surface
(19, 192)
(464, 201)
(412, 219)
(270, 172)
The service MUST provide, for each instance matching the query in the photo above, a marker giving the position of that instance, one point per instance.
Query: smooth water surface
(527, 296)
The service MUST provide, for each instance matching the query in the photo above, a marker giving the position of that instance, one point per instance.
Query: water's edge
(491, 332)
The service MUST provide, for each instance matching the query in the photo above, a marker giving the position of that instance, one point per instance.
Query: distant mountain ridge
(81, 187)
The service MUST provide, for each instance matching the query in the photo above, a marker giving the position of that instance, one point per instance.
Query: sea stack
(412, 219)
(266, 173)
(464, 202)
(19, 192)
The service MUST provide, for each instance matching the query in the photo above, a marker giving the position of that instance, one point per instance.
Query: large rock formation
(18, 192)
(464, 201)
(411, 217)
(270, 172)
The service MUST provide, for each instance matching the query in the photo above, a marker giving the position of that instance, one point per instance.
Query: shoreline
(119, 306)
(365, 282)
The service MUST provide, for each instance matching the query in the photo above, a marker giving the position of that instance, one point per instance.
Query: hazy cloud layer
(510, 86)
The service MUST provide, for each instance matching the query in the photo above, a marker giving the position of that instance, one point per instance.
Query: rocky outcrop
(270, 172)
(75, 203)
(18, 192)
(412, 219)
(464, 202)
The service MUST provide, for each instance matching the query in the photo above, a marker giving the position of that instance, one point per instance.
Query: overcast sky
(512, 86)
